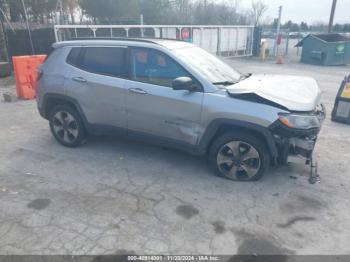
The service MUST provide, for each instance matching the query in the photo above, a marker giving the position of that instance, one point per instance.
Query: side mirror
(183, 83)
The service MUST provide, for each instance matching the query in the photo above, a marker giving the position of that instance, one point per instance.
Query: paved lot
(112, 196)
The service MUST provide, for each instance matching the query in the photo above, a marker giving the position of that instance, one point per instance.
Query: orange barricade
(25, 74)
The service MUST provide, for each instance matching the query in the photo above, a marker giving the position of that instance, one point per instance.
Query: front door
(153, 107)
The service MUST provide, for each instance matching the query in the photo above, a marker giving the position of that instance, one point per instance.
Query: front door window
(153, 67)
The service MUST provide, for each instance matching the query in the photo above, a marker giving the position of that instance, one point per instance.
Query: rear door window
(108, 61)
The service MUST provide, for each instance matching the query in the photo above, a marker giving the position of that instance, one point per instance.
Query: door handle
(137, 91)
(79, 79)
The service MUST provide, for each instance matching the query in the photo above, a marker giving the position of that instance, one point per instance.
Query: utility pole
(278, 30)
(331, 18)
(28, 28)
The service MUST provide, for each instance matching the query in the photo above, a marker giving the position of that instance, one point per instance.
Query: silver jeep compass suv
(175, 94)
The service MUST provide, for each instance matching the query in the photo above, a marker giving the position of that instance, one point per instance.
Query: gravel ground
(112, 196)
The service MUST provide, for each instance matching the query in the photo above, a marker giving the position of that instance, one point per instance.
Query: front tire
(67, 126)
(239, 156)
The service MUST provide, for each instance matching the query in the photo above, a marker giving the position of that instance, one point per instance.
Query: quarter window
(73, 56)
(104, 60)
(153, 67)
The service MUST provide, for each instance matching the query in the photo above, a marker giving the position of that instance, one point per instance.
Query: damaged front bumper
(293, 141)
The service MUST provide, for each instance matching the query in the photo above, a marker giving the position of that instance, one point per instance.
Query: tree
(291, 26)
(183, 10)
(258, 10)
(3, 51)
(40, 10)
(304, 26)
(338, 27)
(346, 28)
(69, 7)
(14, 8)
(156, 11)
(111, 11)
(318, 26)
(217, 13)
(274, 23)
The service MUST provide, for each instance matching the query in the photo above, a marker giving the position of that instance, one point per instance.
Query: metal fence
(282, 44)
(227, 41)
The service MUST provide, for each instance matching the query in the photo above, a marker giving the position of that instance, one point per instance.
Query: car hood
(295, 93)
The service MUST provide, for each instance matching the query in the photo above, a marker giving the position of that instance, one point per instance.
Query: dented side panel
(164, 112)
(189, 131)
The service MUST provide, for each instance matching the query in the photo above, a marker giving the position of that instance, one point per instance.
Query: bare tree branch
(259, 7)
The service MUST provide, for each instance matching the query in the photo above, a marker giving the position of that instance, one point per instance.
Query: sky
(310, 11)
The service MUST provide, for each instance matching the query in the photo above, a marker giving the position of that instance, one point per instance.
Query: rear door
(153, 107)
(97, 83)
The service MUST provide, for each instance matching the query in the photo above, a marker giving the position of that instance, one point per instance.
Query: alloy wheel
(65, 126)
(238, 160)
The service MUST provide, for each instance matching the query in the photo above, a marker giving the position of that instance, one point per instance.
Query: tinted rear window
(73, 56)
(104, 60)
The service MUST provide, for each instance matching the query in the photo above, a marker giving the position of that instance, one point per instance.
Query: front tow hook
(314, 176)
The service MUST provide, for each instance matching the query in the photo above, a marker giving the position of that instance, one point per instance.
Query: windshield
(211, 67)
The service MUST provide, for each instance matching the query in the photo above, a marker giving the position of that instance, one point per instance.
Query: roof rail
(145, 40)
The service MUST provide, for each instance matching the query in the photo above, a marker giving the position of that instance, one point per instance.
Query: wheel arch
(52, 100)
(221, 126)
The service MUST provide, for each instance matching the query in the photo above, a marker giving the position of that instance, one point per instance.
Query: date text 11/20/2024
(174, 258)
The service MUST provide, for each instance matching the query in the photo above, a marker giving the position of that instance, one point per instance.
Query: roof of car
(167, 43)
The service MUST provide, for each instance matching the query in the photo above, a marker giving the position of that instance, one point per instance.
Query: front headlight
(299, 121)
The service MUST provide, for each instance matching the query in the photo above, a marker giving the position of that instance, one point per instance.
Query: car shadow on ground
(151, 158)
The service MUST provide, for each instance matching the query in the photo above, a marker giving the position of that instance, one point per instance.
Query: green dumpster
(325, 49)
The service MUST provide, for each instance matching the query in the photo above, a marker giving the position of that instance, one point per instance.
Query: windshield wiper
(224, 83)
(243, 76)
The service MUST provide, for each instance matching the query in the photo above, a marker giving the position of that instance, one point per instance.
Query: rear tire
(239, 156)
(67, 126)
